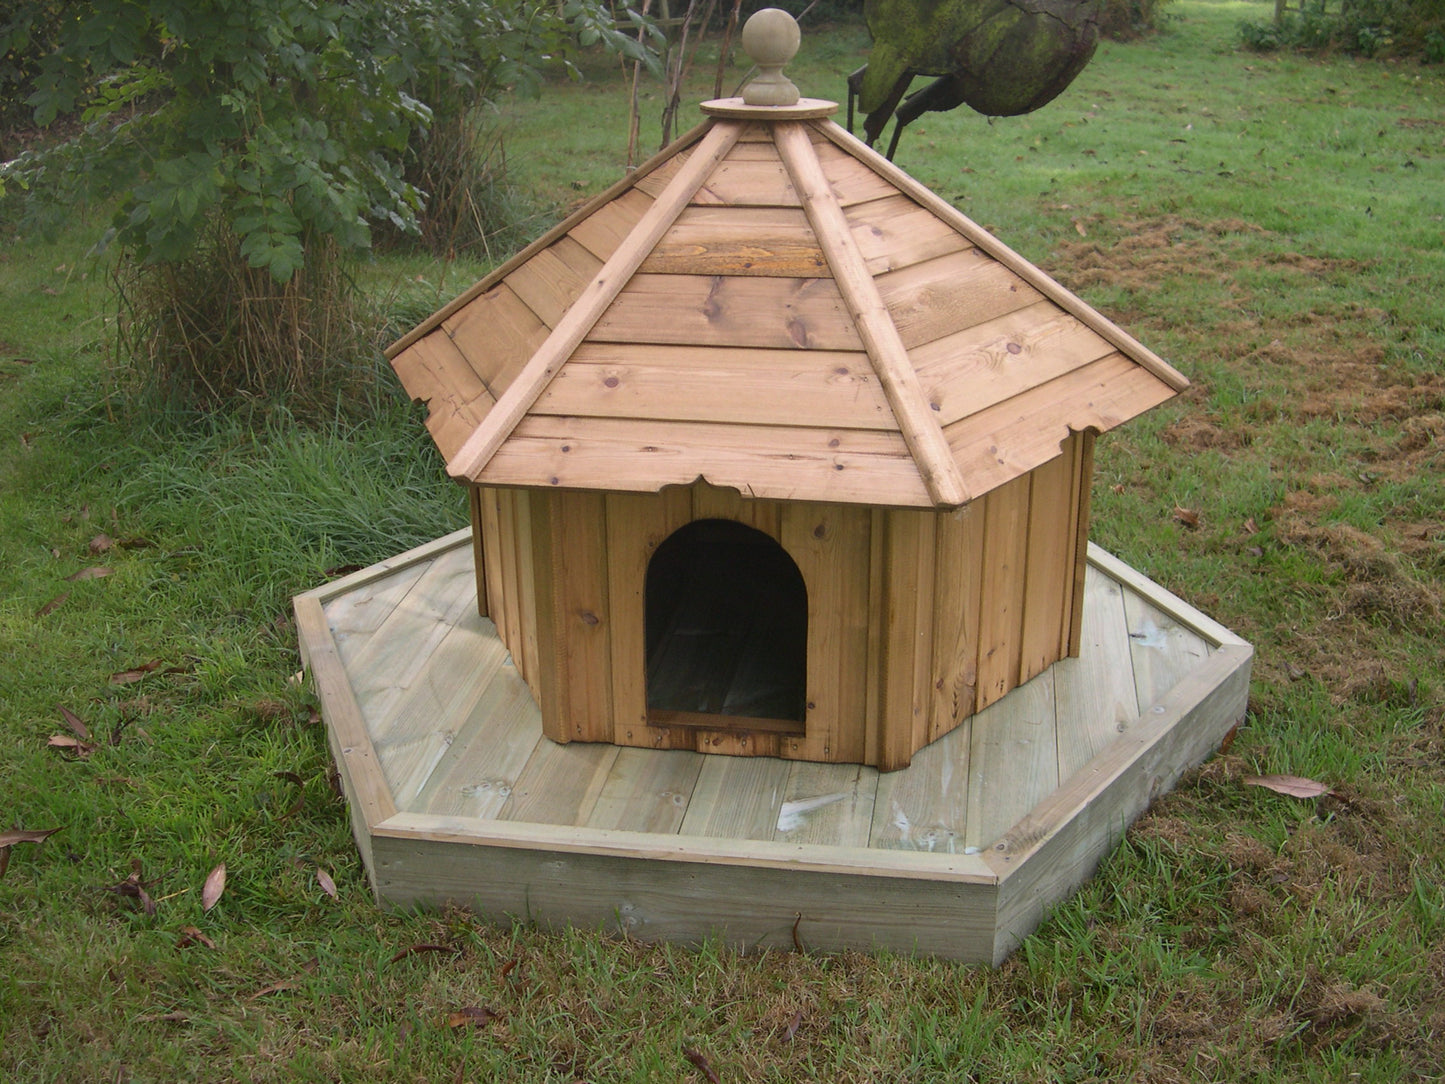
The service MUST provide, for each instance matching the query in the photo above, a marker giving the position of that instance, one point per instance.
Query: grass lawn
(1274, 226)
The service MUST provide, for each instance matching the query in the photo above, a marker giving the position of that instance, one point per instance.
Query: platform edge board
(1162, 599)
(1060, 843)
(708, 850)
(427, 551)
(368, 798)
(690, 901)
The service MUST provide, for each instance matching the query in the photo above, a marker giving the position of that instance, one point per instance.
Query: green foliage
(1125, 20)
(1357, 27)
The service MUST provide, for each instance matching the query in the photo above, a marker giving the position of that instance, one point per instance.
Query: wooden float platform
(455, 795)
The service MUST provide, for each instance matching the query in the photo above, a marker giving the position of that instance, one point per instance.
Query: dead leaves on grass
(12, 836)
(1292, 786)
(214, 886)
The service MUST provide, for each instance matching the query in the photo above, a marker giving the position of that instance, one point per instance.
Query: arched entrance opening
(727, 630)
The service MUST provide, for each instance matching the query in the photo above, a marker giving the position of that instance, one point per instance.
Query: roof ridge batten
(584, 313)
(886, 351)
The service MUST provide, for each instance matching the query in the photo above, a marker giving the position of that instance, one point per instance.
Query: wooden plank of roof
(739, 241)
(496, 333)
(699, 310)
(513, 404)
(1009, 438)
(895, 232)
(851, 466)
(654, 182)
(679, 149)
(972, 370)
(603, 232)
(954, 293)
(433, 371)
(944, 210)
(766, 387)
(552, 279)
(748, 178)
(852, 181)
(875, 325)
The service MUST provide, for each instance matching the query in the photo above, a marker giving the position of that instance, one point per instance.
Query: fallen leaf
(135, 673)
(1079, 228)
(1186, 516)
(274, 988)
(509, 967)
(214, 886)
(75, 723)
(411, 950)
(472, 1016)
(703, 1065)
(1250, 527)
(101, 543)
(1228, 739)
(1292, 785)
(53, 605)
(95, 572)
(13, 836)
(192, 936)
(26, 835)
(327, 884)
(132, 888)
(66, 741)
(793, 1027)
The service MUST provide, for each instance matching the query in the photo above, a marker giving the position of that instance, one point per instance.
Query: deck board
(456, 739)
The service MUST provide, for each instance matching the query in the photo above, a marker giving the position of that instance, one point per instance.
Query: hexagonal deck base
(455, 796)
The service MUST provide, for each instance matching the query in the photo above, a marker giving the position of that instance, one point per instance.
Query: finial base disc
(736, 108)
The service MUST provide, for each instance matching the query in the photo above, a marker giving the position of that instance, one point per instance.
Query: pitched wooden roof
(773, 307)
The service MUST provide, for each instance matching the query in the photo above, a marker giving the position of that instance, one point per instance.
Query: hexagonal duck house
(772, 453)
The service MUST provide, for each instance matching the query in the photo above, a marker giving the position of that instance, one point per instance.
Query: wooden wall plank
(906, 696)
(831, 545)
(636, 525)
(997, 359)
(1005, 551)
(827, 804)
(1014, 760)
(508, 583)
(733, 311)
(529, 664)
(548, 680)
(581, 613)
(957, 598)
(848, 465)
(750, 387)
(1083, 455)
(492, 557)
(479, 560)
(1048, 565)
(647, 791)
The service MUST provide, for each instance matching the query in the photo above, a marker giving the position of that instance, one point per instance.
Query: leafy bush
(1357, 27)
(1124, 20)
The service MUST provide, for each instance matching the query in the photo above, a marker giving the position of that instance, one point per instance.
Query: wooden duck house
(772, 451)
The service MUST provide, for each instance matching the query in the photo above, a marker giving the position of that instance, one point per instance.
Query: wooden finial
(771, 39)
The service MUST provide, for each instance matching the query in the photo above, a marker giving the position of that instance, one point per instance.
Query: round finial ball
(771, 37)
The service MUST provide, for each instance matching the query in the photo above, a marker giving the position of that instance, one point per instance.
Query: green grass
(1272, 225)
